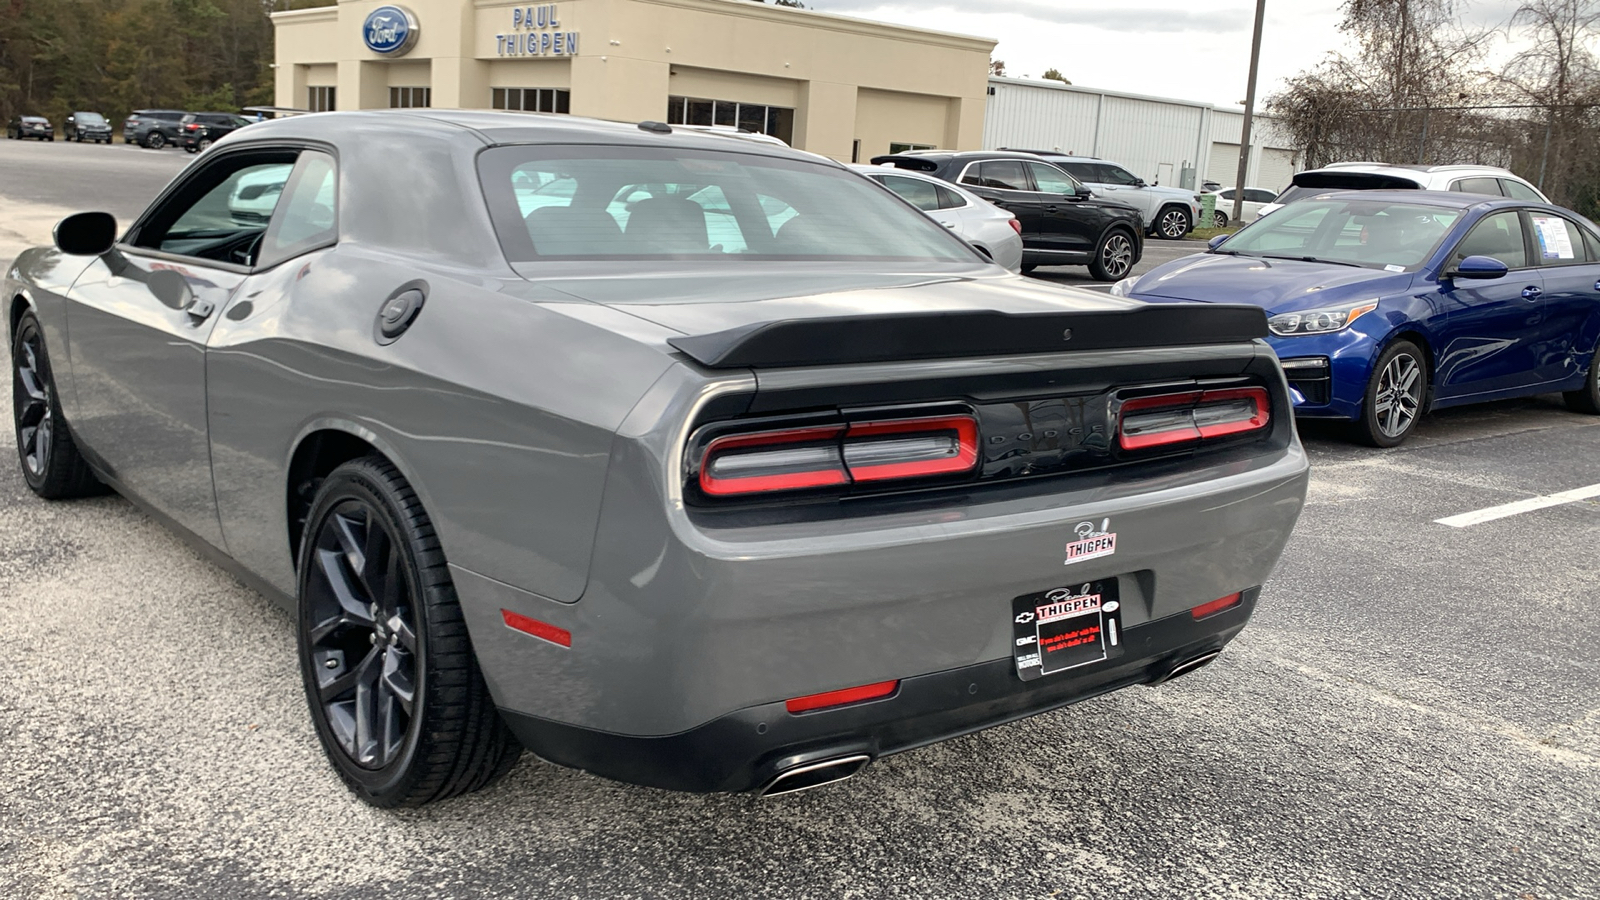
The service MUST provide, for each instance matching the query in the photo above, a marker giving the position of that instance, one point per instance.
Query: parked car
(1385, 305)
(152, 128)
(86, 126)
(201, 130)
(1063, 223)
(996, 233)
(1490, 181)
(1168, 212)
(1254, 200)
(703, 520)
(37, 127)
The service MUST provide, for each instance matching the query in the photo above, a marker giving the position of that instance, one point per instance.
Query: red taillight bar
(1216, 606)
(840, 698)
(1191, 416)
(838, 454)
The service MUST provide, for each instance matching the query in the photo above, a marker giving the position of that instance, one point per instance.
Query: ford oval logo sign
(390, 30)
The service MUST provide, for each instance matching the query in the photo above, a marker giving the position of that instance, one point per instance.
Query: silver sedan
(992, 230)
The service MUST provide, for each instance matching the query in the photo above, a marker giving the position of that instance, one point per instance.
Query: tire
(189, 149)
(155, 140)
(204, 143)
(1401, 373)
(1029, 267)
(1587, 400)
(1113, 258)
(1221, 218)
(51, 463)
(1172, 223)
(451, 740)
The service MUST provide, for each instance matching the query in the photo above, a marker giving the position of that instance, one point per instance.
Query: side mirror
(1082, 193)
(1216, 242)
(1479, 267)
(1139, 182)
(86, 233)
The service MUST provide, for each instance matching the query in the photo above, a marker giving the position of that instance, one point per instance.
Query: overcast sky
(1189, 50)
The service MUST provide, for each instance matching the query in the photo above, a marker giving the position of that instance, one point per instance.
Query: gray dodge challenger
(686, 460)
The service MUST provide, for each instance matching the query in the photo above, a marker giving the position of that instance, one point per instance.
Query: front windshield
(554, 202)
(87, 118)
(1375, 234)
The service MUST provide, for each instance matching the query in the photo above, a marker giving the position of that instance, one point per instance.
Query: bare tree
(1559, 77)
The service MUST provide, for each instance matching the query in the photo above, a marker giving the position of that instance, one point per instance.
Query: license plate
(1065, 628)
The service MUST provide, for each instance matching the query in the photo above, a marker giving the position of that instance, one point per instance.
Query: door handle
(200, 310)
(1531, 293)
(1049, 209)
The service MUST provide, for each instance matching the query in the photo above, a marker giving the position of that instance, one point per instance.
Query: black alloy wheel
(394, 689)
(1396, 396)
(51, 464)
(1113, 258)
(155, 140)
(1172, 223)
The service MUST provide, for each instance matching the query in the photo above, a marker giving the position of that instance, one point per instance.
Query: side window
(1118, 175)
(221, 212)
(920, 194)
(1592, 243)
(1082, 171)
(1004, 174)
(949, 199)
(1226, 195)
(1256, 195)
(1052, 180)
(1489, 186)
(1520, 191)
(1559, 241)
(1499, 236)
(308, 217)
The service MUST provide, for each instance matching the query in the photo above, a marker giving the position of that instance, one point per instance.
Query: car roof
(1448, 199)
(1403, 168)
(503, 128)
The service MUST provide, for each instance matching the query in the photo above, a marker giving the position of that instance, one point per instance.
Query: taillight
(1015, 225)
(192, 127)
(1166, 419)
(840, 454)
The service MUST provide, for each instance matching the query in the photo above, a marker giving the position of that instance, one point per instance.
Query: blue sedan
(1385, 305)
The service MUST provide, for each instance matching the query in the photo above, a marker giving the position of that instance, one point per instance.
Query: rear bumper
(745, 750)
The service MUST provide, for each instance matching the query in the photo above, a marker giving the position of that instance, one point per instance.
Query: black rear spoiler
(945, 335)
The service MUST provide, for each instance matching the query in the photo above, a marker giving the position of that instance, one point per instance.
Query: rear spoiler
(947, 335)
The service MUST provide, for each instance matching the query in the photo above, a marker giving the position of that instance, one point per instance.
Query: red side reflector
(542, 630)
(1015, 225)
(840, 698)
(1215, 606)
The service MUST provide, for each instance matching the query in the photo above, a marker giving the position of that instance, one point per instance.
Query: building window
(756, 118)
(896, 147)
(410, 97)
(549, 100)
(321, 99)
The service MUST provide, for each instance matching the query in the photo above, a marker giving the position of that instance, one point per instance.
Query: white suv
(1490, 181)
(1167, 212)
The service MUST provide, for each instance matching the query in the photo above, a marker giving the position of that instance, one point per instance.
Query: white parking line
(1520, 506)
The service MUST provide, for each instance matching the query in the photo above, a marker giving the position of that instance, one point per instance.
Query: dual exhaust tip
(829, 771)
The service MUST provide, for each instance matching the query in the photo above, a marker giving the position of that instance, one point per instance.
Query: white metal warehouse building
(1159, 139)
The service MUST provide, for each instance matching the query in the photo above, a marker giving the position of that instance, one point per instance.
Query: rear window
(553, 202)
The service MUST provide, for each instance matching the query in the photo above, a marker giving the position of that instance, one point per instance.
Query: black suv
(201, 130)
(153, 128)
(30, 127)
(1063, 223)
(86, 126)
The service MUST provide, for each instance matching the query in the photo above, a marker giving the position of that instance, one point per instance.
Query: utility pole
(1249, 111)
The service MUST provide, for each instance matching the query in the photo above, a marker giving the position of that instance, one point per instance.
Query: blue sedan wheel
(1395, 395)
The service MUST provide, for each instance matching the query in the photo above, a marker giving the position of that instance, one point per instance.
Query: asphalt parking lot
(1414, 713)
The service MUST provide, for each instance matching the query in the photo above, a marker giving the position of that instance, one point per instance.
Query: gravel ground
(1413, 714)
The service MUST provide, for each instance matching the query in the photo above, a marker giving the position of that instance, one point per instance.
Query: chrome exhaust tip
(1190, 665)
(817, 774)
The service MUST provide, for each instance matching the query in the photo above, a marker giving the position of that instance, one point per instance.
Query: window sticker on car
(1554, 242)
(1091, 543)
(1394, 268)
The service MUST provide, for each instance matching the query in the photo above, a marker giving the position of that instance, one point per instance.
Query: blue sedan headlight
(1319, 321)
